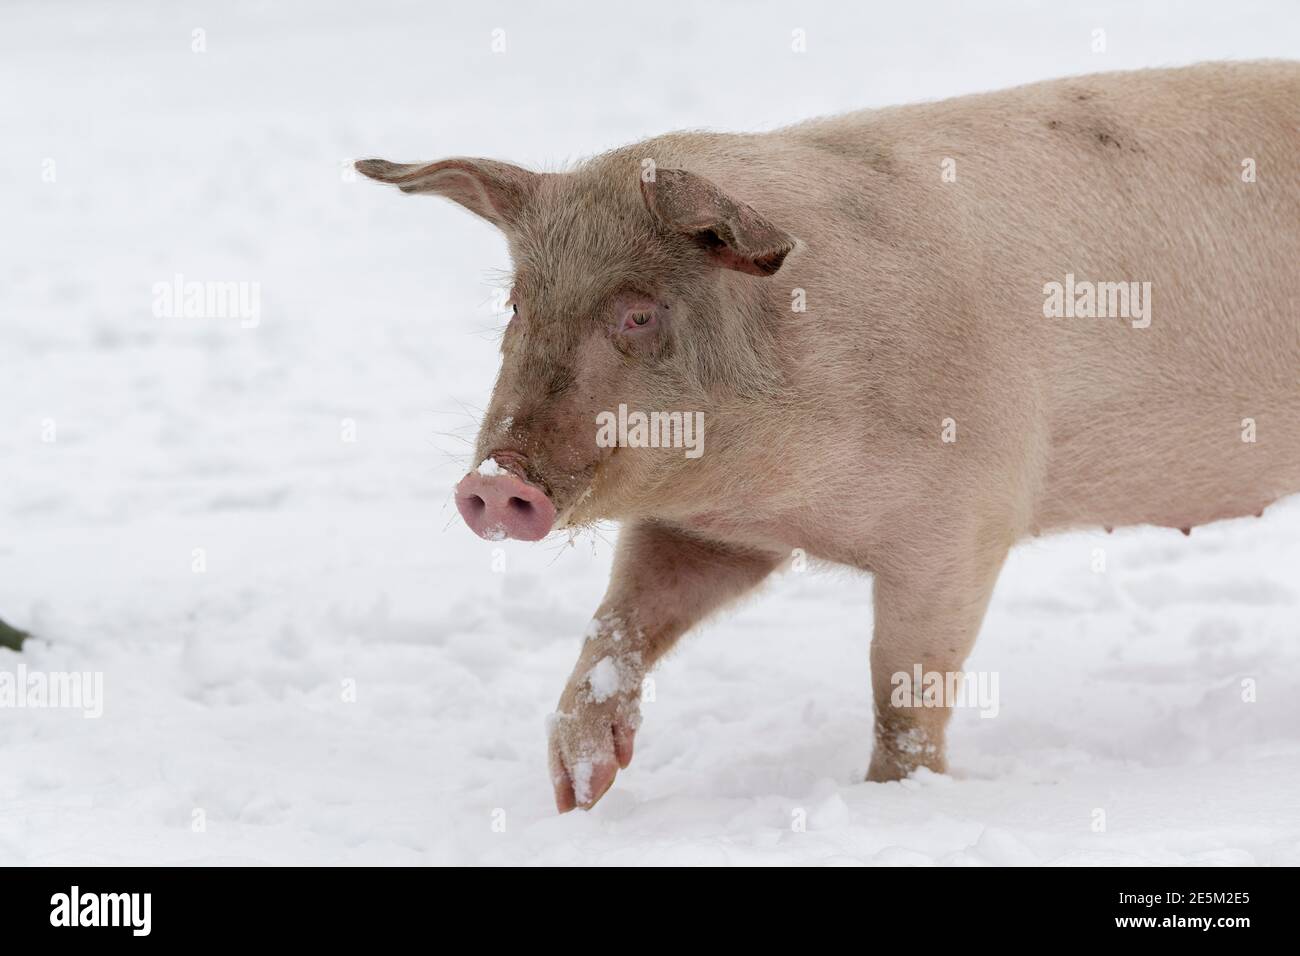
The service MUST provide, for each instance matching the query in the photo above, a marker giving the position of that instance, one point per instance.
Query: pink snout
(503, 506)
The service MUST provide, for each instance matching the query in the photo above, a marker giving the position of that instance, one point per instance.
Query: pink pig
(914, 336)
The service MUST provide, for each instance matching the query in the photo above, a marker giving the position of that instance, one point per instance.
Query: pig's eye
(638, 321)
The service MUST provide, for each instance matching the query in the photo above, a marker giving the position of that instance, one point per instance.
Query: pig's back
(1126, 177)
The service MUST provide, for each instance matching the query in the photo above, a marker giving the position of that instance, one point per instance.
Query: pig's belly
(1186, 468)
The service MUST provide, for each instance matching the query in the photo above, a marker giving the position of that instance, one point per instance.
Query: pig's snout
(502, 505)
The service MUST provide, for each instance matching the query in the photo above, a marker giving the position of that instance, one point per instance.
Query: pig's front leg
(927, 615)
(664, 581)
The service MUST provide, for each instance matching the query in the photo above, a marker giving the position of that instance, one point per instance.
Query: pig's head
(630, 288)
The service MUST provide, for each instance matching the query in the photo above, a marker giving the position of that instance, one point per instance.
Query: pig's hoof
(883, 771)
(583, 784)
(893, 764)
(586, 753)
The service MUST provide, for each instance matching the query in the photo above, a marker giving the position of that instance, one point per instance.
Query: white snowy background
(330, 561)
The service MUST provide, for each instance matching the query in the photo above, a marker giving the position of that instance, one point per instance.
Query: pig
(916, 335)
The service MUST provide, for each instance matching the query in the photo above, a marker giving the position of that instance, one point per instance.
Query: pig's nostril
(504, 506)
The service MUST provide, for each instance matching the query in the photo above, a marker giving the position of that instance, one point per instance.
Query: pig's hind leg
(927, 614)
(664, 581)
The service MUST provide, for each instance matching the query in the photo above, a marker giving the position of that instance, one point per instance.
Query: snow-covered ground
(356, 678)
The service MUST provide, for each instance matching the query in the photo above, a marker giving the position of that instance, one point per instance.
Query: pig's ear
(733, 233)
(496, 191)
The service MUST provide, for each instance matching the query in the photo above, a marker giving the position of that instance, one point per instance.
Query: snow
(604, 679)
(248, 530)
(582, 770)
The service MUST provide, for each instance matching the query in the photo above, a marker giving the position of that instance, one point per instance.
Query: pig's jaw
(583, 509)
(565, 516)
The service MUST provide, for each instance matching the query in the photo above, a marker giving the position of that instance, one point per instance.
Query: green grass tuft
(11, 637)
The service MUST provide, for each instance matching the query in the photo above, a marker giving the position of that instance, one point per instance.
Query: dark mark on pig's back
(872, 155)
(1093, 123)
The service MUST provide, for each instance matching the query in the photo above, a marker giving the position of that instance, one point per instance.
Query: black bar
(335, 906)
